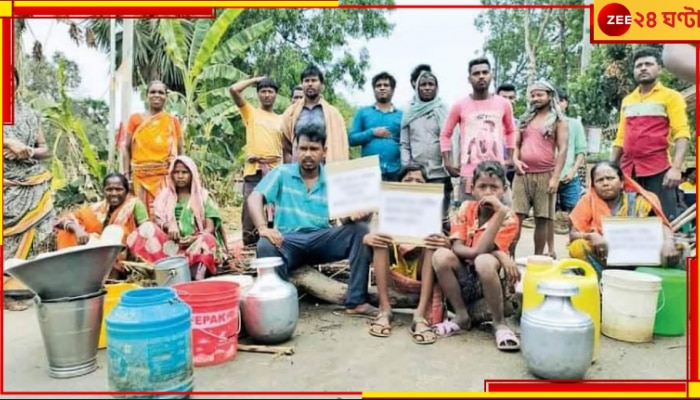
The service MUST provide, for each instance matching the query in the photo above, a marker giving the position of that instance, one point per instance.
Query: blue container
(149, 344)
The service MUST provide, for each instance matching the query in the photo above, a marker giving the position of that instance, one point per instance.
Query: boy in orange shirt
(479, 265)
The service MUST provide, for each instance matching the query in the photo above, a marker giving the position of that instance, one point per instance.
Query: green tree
(551, 51)
(299, 36)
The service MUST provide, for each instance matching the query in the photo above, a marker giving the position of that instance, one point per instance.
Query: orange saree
(154, 144)
(93, 218)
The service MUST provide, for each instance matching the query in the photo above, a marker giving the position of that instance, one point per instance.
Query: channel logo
(614, 19)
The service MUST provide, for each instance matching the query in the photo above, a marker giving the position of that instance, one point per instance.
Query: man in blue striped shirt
(377, 128)
(303, 234)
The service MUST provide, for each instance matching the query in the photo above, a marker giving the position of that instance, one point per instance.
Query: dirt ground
(335, 353)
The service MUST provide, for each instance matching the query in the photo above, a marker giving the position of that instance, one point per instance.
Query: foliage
(298, 36)
(555, 36)
(77, 169)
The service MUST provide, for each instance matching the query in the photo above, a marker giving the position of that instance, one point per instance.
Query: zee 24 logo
(614, 19)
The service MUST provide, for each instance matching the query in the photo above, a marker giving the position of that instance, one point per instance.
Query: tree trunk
(327, 289)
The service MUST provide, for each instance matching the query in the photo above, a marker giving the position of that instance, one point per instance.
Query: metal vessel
(270, 309)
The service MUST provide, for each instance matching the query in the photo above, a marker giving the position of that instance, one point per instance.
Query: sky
(448, 36)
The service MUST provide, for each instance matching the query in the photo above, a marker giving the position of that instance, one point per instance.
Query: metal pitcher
(270, 309)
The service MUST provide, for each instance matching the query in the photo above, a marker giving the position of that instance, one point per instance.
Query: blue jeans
(321, 246)
(569, 194)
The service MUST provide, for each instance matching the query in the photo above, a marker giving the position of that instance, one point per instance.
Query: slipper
(384, 329)
(446, 328)
(366, 312)
(420, 337)
(506, 339)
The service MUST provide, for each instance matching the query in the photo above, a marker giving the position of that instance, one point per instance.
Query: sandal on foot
(447, 328)
(423, 336)
(368, 311)
(379, 329)
(506, 339)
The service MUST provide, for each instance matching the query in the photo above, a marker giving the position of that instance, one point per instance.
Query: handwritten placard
(353, 186)
(633, 241)
(410, 212)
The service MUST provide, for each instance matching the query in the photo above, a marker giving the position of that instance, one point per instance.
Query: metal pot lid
(557, 288)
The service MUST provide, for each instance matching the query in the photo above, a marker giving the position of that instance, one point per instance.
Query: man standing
(569, 191)
(539, 156)
(652, 118)
(297, 93)
(377, 128)
(476, 115)
(263, 142)
(314, 110)
(302, 232)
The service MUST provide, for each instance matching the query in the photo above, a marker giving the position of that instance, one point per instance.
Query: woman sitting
(612, 194)
(117, 208)
(186, 222)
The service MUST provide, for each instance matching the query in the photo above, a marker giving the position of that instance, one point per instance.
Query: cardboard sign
(410, 212)
(633, 241)
(353, 186)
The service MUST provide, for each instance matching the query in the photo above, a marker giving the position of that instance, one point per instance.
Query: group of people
(503, 168)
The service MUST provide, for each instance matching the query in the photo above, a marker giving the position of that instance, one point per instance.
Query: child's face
(488, 185)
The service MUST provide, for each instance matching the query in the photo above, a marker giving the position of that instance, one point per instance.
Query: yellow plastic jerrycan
(588, 298)
(536, 269)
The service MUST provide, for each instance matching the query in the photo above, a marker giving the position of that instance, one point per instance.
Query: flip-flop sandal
(419, 337)
(384, 329)
(369, 312)
(446, 329)
(506, 339)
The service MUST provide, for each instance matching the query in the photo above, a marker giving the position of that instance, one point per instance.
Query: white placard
(353, 186)
(633, 241)
(594, 138)
(410, 212)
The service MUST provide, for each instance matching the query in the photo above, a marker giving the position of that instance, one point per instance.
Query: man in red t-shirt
(479, 265)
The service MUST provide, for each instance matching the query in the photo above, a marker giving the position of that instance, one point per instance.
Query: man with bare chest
(539, 156)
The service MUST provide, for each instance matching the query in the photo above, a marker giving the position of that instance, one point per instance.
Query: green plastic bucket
(672, 315)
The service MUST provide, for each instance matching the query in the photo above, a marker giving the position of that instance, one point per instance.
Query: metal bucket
(70, 328)
(172, 270)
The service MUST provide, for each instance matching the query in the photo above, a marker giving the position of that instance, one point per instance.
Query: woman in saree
(611, 194)
(118, 207)
(154, 139)
(186, 221)
(28, 211)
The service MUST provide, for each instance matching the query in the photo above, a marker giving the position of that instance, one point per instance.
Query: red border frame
(590, 386)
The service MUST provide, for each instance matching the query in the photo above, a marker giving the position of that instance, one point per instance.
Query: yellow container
(588, 299)
(114, 293)
(536, 269)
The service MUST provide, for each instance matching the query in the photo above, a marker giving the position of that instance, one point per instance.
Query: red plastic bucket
(216, 320)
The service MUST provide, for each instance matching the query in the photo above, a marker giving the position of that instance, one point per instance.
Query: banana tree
(206, 66)
(74, 158)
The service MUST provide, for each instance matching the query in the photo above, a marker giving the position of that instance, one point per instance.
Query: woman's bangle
(31, 152)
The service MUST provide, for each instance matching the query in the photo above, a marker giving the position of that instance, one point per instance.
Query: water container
(672, 312)
(588, 298)
(537, 268)
(172, 270)
(114, 293)
(70, 328)
(216, 319)
(629, 305)
(149, 344)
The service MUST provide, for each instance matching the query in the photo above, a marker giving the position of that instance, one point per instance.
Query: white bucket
(629, 305)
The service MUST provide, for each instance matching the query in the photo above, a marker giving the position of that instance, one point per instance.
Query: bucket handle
(171, 274)
(223, 338)
(573, 263)
(661, 307)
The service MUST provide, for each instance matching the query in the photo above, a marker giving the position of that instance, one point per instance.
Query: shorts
(470, 284)
(568, 194)
(530, 191)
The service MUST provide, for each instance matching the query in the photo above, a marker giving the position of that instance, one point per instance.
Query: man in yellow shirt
(653, 119)
(263, 142)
